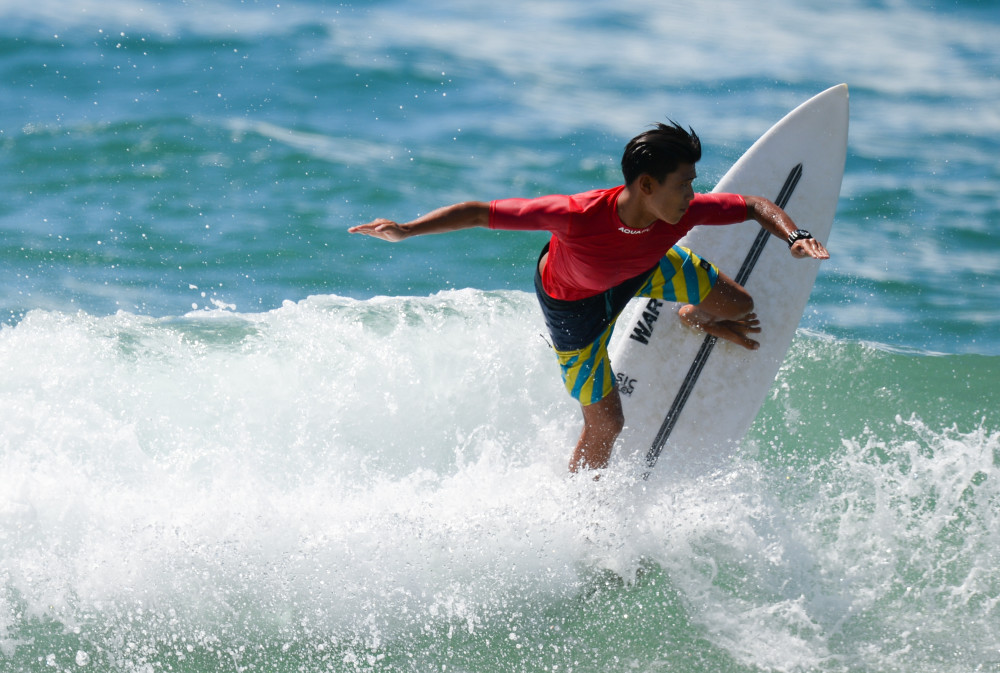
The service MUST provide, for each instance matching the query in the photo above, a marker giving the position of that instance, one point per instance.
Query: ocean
(234, 437)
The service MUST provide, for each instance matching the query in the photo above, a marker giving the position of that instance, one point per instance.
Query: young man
(610, 245)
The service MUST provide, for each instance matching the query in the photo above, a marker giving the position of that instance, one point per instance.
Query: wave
(383, 482)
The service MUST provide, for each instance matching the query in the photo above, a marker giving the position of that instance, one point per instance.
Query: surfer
(610, 245)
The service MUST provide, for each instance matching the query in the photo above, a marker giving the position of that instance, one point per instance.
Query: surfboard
(689, 399)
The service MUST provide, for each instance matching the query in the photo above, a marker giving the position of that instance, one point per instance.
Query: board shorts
(581, 329)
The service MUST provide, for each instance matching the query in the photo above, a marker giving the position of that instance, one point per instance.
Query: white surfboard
(688, 398)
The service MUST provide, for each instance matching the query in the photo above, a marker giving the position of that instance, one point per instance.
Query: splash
(380, 485)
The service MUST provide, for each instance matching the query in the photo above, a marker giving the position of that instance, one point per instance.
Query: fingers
(380, 228)
(809, 247)
(369, 227)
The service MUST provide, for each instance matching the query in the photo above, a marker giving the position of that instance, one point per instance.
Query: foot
(735, 331)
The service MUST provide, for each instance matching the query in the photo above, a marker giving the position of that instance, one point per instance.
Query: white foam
(360, 471)
(334, 468)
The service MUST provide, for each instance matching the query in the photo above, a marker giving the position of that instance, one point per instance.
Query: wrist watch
(798, 235)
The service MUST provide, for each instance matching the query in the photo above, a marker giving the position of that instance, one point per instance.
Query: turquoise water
(234, 437)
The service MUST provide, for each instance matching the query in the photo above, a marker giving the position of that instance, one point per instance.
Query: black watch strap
(798, 235)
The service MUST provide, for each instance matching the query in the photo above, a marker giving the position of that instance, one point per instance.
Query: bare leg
(727, 313)
(602, 422)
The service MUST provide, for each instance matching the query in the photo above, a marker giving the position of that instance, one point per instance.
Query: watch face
(797, 235)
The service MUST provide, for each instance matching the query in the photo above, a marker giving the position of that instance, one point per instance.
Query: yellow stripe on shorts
(681, 275)
(587, 372)
(689, 275)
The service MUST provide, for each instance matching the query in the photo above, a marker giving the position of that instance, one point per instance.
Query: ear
(646, 184)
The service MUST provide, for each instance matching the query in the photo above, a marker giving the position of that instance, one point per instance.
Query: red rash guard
(591, 249)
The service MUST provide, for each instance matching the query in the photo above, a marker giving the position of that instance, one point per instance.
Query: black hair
(659, 151)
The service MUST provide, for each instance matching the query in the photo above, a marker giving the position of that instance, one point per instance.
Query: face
(669, 200)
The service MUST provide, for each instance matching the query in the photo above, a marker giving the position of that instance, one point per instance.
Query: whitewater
(383, 481)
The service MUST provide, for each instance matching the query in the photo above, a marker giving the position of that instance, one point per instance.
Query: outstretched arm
(450, 218)
(776, 221)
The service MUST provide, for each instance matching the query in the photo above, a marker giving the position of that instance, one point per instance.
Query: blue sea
(234, 437)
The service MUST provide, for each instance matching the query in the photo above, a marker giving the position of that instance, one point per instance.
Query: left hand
(809, 247)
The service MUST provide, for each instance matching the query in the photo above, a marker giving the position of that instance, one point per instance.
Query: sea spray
(346, 484)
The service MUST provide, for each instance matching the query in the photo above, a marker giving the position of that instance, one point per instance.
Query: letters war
(644, 328)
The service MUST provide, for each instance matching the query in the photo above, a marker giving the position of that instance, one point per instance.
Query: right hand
(382, 228)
